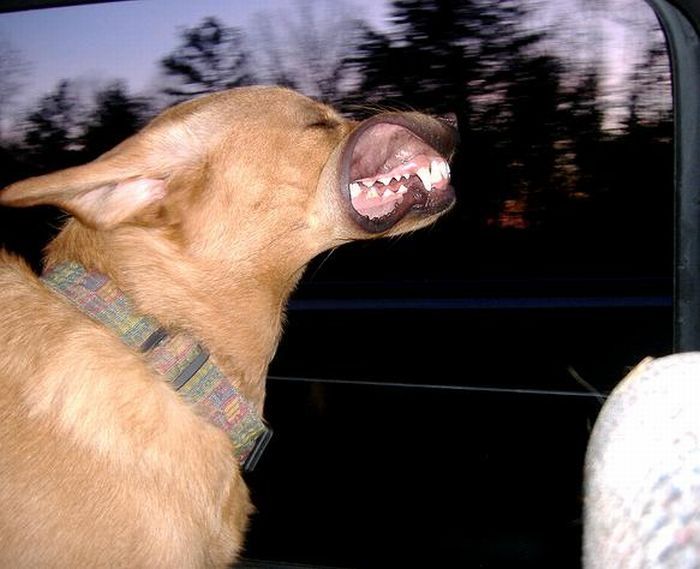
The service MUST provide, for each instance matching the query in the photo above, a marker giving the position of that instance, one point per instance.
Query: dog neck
(235, 312)
(175, 355)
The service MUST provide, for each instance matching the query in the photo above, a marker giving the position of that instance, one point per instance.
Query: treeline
(542, 149)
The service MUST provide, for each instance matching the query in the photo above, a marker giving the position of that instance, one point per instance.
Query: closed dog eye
(324, 124)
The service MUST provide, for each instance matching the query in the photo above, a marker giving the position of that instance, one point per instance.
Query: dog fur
(206, 218)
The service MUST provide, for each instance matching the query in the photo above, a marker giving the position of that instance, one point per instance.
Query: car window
(432, 395)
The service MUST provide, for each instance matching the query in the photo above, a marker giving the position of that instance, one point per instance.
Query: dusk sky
(125, 40)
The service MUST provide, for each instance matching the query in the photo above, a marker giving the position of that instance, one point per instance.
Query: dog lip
(434, 141)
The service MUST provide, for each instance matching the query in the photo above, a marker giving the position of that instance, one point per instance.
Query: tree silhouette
(13, 68)
(52, 130)
(441, 54)
(373, 57)
(536, 150)
(308, 48)
(643, 171)
(533, 129)
(650, 82)
(584, 122)
(116, 116)
(452, 56)
(210, 58)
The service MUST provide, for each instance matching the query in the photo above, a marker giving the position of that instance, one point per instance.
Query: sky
(124, 39)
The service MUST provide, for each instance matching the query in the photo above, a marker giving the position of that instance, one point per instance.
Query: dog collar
(173, 354)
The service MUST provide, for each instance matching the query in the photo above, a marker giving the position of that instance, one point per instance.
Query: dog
(116, 450)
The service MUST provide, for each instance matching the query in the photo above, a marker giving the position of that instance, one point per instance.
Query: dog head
(259, 171)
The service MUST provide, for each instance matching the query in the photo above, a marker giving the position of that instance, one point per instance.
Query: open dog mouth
(395, 165)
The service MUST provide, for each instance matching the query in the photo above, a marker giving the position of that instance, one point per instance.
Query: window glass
(433, 394)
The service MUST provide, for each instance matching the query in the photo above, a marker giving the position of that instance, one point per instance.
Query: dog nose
(450, 119)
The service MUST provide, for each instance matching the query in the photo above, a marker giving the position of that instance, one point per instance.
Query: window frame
(680, 21)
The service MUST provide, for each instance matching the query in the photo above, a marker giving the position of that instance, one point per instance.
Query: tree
(52, 131)
(210, 58)
(533, 129)
(648, 99)
(643, 173)
(308, 48)
(584, 122)
(444, 54)
(452, 56)
(13, 68)
(116, 117)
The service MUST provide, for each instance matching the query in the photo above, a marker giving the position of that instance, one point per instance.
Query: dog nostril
(450, 119)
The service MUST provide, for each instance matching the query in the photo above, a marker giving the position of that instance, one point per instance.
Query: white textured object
(642, 471)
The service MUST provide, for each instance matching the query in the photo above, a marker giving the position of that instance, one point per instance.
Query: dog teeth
(445, 170)
(430, 176)
(436, 171)
(424, 175)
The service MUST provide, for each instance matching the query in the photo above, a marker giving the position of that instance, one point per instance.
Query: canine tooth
(436, 171)
(424, 175)
(372, 194)
(402, 189)
(355, 190)
(445, 169)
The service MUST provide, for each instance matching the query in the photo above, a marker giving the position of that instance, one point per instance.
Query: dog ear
(102, 193)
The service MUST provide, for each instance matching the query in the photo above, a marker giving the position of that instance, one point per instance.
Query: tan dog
(205, 220)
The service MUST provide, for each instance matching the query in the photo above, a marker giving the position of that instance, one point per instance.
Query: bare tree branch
(308, 47)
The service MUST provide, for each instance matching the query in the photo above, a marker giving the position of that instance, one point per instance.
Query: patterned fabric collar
(175, 355)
